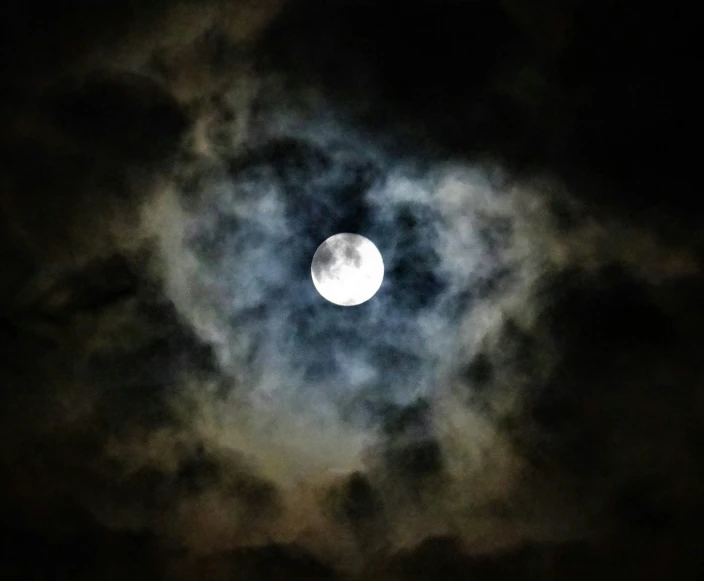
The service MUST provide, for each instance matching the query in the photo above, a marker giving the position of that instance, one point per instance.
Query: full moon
(347, 269)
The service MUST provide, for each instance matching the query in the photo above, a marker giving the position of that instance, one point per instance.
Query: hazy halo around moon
(347, 269)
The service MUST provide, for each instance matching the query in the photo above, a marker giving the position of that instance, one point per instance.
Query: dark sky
(523, 396)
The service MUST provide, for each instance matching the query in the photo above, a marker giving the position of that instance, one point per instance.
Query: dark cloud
(519, 398)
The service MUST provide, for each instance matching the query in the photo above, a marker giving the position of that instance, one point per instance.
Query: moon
(347, 269)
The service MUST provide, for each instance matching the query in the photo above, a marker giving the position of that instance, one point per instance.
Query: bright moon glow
(347, 269)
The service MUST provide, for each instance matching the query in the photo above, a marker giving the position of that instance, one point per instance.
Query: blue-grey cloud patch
(313, 393)
(423, 402)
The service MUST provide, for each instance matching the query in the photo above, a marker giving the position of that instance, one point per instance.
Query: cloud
(178, 377)
(315, 392)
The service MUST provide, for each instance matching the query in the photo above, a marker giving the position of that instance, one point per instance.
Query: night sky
(523, 398)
